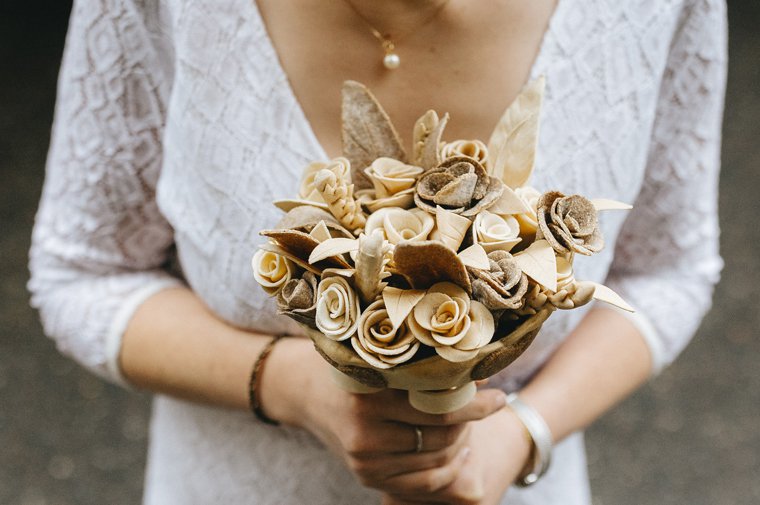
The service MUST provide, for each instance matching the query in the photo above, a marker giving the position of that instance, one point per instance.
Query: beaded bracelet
(254, 398)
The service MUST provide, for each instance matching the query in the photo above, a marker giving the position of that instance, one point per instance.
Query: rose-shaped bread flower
(381, 344)
(448, 320)
(297, 299)
(569, 223)
(307, 191)
(338, 307)
(460, 185)
(471, 148)
(400, 225)
(528, 220)
(503, 286)
(271, 270)
(495, 232)
(393, 183)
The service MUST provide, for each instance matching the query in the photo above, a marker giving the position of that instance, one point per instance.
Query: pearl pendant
(391, 61)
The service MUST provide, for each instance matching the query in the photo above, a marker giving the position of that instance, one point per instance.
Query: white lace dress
(170, 113)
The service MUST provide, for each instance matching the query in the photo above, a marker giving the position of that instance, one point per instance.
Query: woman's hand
(499, 452)
(374, 434)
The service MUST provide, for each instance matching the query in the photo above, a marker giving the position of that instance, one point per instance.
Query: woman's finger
(384, 466)
(392, 437)
(426, 482)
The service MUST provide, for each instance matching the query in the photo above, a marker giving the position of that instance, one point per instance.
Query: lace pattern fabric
(173, 116)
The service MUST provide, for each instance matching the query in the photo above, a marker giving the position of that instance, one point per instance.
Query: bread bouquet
(431, 270)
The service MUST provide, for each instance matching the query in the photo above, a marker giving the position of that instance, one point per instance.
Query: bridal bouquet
(431, 271)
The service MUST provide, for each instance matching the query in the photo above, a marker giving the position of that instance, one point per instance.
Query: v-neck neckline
(290, 95)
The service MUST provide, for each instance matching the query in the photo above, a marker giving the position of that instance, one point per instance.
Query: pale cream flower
(448, 320)
(271, 270)
(307, 190)
(390, 177)
(471, 148)
(399, 225)
(495, 232)
(528, 220)
(338, 307)
(381, 344)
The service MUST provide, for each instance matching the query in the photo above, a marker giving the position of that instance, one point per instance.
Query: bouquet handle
(444, 400)
(431, 402)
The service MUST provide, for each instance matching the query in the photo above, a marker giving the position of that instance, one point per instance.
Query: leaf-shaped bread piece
(475, 257)
(605, 294)
(332, 247)
(288, 204)
(606, 204)
(424, 125)
(320, 232)
(539, 263)
(272, 247)
(509, 203)
(513, 143)
(450, 228)
(426, 263)
(301, 245)
(367, 132)
(400, 302)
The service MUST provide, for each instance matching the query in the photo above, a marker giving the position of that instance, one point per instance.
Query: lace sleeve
(667, 262)
(99, 239)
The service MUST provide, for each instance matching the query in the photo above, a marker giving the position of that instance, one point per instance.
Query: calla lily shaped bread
(430, 270)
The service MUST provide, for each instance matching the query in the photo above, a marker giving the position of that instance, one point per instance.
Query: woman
(178, 123)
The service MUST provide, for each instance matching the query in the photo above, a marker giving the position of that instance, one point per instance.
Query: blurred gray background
(692, 436)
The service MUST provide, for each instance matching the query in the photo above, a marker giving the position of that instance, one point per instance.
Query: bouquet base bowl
(435, 386)
(346, 383)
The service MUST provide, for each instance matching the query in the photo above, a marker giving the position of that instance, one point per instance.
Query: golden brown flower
(460, 185)
(297, 299)
(502, 286)
(569, 223)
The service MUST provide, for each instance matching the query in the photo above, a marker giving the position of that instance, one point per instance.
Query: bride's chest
(237, 138)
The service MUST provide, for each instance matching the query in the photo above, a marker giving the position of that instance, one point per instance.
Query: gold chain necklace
(391, 59)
